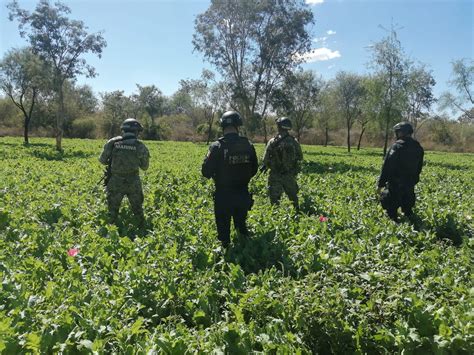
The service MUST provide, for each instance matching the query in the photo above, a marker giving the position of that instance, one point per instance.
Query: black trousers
(231, 204)
(398, 196)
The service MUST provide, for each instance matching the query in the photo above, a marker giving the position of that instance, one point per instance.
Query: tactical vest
(235, 168)
(410, 155)
(125, 160)
(284, 155)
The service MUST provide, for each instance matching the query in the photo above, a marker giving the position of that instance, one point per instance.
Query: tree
(462, 81)
(61, 42)
(373, 105)
(21, 77)
(349, 91)
(116, 109)
(326, 110)
(298, 98)
(389, 62)
(206, 98)
(419, 95)
(253, 45)
(151, 100)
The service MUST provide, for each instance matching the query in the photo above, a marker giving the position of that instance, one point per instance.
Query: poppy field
(340, 277)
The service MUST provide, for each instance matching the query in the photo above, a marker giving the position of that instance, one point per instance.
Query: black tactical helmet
(403, 127)
(131, 125)
(283, 122)
(230, 118)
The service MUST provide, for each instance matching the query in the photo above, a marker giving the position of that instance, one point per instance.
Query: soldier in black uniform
(401, 172)
(231, 162)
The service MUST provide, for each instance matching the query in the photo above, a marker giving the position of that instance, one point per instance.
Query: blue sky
(149, 41)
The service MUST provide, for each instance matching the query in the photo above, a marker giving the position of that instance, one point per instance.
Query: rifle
(107, 173)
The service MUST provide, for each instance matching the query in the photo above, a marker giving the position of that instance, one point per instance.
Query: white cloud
(320, 39)
(331, 32)
(314, 2)
(318, 55)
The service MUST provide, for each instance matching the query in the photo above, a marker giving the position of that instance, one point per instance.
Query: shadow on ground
(260, 252)
(339, 167)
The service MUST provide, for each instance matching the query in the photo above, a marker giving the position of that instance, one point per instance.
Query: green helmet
(230, 118)
(403, 127)
(284, 123)
(131, 125)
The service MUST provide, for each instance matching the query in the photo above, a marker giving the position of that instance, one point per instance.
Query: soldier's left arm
(253, 160)
(420, 165)
(299, 151)
(144, 156)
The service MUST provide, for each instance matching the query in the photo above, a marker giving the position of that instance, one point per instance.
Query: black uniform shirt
(231, 162)
(403, 163)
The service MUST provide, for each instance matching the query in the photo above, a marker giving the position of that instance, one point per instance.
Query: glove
(379, 192)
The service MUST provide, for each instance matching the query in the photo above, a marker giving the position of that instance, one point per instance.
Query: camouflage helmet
(230, 118)
(403, 127)
(284, 123)
(131, 125)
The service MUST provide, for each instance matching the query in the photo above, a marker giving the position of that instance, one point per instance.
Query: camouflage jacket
(283, 155)
(128, 155)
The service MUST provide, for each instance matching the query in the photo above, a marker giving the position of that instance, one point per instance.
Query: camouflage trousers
(120, 186)
(279, 183)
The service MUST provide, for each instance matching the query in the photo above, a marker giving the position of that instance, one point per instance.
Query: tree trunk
(25, 133)
(386, 138)
(265, 140)
(360, 138)
(59, 118)
(209, 132)
(348, 137)
(30, 113)
(326, 136)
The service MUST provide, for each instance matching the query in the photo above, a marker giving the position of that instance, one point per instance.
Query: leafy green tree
(349, 95)
(419, 95)
(22, 74)
(151, 100)
(207, 98)
(326, 110)
(253, 45)
(389, 63)
(116, 108)
(80, 102)
(298, 98)
(463, 82)
(61, 42)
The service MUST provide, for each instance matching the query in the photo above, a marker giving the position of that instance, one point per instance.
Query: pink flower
(323, 219)
(73, 252)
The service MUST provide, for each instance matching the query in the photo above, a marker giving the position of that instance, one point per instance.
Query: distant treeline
(260, 75)
(177, 118)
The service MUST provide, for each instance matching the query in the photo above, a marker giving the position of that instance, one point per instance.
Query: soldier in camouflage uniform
(400, 173)
(127, 155)
(283, 157)
(231, 162)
